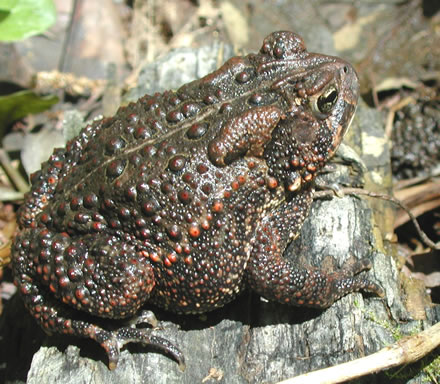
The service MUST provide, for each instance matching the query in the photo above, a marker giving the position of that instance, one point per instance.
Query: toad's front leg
(278, 279)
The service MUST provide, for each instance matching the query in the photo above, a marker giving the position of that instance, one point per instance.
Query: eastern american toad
(184, 198)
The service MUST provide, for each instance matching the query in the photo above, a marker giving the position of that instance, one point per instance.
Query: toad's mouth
(340, 126)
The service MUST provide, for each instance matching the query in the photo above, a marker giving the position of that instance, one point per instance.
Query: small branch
(358, 191)
(15, 176)
(406, 351)
(392, 112)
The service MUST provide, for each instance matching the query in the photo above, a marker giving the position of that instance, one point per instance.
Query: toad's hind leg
(102, 276)
(276, 278)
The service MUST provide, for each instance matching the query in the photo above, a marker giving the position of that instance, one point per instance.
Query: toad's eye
(327, 100)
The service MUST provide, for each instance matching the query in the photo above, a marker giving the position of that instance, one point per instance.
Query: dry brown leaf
(420, 199)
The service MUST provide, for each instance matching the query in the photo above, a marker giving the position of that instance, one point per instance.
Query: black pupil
(325, 102)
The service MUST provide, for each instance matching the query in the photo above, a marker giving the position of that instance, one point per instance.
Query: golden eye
(327, 100)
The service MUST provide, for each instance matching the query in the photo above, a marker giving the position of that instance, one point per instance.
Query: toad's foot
(112, 342)
(346, 281)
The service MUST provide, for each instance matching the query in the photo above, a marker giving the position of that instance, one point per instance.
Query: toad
(185, 198)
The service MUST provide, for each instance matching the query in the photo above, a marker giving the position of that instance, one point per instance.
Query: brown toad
(184, 198)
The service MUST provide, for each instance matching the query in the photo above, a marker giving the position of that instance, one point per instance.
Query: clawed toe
(117, 339)
(359, 266)
(366, 285)
(145, 317)
(346, 280)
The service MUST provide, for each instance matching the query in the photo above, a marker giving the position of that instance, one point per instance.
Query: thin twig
(68, 37)
(392, 112)
(15, 176)
(358, 191)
